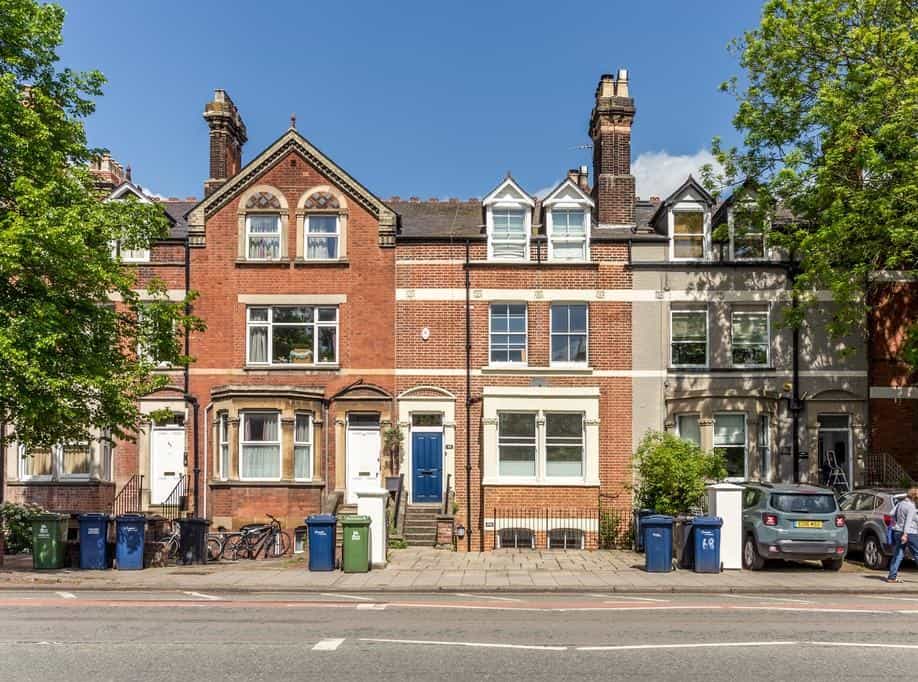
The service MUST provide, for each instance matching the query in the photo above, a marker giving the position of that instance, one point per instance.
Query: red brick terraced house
(531, 431)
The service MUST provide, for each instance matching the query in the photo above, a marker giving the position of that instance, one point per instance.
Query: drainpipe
(795, 405)
(325, 450)
(206, 451)
(196, 455)
(468, 399)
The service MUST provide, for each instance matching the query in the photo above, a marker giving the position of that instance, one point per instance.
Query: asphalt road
(47, 635)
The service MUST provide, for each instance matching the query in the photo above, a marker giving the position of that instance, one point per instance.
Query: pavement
(170, 634)
(430, 570)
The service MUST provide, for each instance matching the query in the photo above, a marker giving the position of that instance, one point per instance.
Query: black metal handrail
(601, 527)
(177, 501)
(129, 498)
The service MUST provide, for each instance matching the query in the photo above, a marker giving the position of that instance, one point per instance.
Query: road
(47, 635)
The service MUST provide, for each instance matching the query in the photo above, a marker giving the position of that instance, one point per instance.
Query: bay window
(73, 461)
(730, 439)
(263, 236)
(223, 445)
(292, 335)
(321, 236)
(689, 338)
(750, 338)
(568, 235)
(302, 447)
(688, 428)
(260, 446)
(508, 333)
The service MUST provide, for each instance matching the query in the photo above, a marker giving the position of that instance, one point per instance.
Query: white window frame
(270, 324)
(249, 234)
(280, 444)
(307, 234)
(705, 230)
(535, 444)
(57, 464)
(310, 444)
(551, 334)
(526, 213)
(223, 445)
(767, 314)
(764, 233)
(707, 337)
(585, 240)
(510, 363)
(715, 445)
(133, 255)
(24, 476)
(541, 442)
(689, 415)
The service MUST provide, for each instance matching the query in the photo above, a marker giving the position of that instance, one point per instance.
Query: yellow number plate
(808, 524)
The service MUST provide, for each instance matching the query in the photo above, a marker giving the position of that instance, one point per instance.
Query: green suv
(794, 523)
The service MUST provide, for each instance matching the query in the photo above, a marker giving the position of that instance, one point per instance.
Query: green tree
(672, 473)
(69, 360)
(828, 112)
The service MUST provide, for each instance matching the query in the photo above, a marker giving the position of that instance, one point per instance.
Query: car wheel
(874, 558)
(751, 559)
(832, 564)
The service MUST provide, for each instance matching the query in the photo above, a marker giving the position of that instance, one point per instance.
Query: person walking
(905, 533)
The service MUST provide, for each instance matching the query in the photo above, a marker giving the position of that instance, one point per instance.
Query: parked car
(794, 523)
(867, 513)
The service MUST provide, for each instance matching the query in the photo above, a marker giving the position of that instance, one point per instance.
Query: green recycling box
(49, 540)
(356, 533)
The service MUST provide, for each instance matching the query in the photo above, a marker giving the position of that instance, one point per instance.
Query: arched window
(321, 225)
(263, 225)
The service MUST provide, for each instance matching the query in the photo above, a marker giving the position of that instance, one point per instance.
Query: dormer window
(126, 255)
(508, 238)
(263, 236)
(568, 238)
(747, 237)
(689, 240)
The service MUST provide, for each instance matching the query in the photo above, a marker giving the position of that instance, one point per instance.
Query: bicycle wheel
(278, 546)
(214, 548)
(171, 546)
(231, 546)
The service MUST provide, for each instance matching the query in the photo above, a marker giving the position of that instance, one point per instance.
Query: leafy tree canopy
(828, 111)
(69, 360)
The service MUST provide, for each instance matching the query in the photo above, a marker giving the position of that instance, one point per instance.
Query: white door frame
(350, 497)
(847, 430)
(161, 429)
(409, 458)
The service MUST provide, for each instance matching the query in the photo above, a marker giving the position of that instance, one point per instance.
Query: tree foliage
(828, 111)
(672, 473)
(69, 361)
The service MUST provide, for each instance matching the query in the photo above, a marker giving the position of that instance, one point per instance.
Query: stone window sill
(291, 368)
(304, 262)
(523, 369)
(75, 482)
(279, 263)
(216, 483)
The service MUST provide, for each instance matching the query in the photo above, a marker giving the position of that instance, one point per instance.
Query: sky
(427, 99)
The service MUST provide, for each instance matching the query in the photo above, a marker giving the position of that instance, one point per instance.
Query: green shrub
(672, 473)
(17, 525)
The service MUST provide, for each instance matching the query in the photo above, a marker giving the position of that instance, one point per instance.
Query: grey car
(867, 511)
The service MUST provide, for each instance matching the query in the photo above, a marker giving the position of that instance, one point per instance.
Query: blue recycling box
(658, 543)
(707, 544)
(322, 541)
(93, 541)
(130, 532)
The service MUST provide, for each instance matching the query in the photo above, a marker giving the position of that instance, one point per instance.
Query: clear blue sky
(412, 98)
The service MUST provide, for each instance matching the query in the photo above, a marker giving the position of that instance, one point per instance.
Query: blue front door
(427, 459)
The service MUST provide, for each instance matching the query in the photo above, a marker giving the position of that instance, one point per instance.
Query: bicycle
(269, 540)
(173, 540)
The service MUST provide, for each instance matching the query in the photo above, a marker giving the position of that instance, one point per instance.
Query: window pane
(567, 223)
(260, 461)
(509, 224)
(76, 459)
(258, 344)
(690, 354)
(509, 250)
(689, 326)
(688, 247)
(328, 314)
(328, 339)
(730, 429)
(323, 223)
(258, 314)
(569, 250)
(688, 222)
(37, 463)
(564, 460)
(302, 434)
(561, 425)
(260, 427)
(292, 345)
(517, 460)
(516, 425)
(293, 314)
(426, 419)
(749, 246)
(750, 327)
(322, 247)
(302, 460)
(264, 224)
(688, 428)
(833, 421)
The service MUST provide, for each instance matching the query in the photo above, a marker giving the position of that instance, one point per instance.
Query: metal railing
(882, 469)
(447, 495)
(177, 501)
(130, 497)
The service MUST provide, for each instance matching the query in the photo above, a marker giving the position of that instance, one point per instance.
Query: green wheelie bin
(356, 547)
(49, 540)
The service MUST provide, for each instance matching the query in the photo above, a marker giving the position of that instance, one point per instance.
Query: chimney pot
(227, 137)
(395, 199)
(414, 200)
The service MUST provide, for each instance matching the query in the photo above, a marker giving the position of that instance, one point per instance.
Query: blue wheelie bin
(658, 543)
(93, 541)
(130, 532)
(639, 516)
(707, 544)
(321, 541)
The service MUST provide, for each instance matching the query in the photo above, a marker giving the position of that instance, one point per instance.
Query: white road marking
(615, 598)
(866, 645)
(345, 596)
(328, 644)
(371, 607)
(480, 645)
(66, 595)
(693, 645)
(486, 596)
(760, 598)
(201, 595)
(876, 596)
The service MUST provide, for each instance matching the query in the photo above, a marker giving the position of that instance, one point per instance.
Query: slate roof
(176, 209)
(451, 219)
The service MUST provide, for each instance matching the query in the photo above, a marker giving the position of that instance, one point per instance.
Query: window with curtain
(569, 334)
(689, 338)
(568, 235)
(322, 237)
(126, 255)
(563, 444)
(508, 237)
(730, 439)
(292, 335)
(750, 342)
(516, 443)
(260, 447)
(688, 235)
(302, 447)
(76, 459)
(223, 444)
(263, 236)
(508, 332)
(36, 463)
(688, 428)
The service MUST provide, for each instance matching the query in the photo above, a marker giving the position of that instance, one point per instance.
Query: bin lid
(709, 521)
(657, 520)
(131, 518)
(322, 518)
(50, 516)
(355, 520)
(93, 516)
(193, 521)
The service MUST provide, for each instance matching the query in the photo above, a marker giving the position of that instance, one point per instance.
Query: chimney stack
(107, 172)
(610, 130)
(227, 136)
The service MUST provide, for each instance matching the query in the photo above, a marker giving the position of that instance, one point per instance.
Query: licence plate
(807, 524)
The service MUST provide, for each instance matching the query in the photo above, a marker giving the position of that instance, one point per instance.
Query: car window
(866, 503)
(803, 504)
(749, 498)
(849, 502)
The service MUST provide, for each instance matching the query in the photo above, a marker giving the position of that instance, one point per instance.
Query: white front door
(362, 451)
(167, 462)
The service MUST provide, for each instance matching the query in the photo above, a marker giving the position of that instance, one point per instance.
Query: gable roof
(175, 210)
(570, 185)
(690, 183)
(291, 141)
(511, 184)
